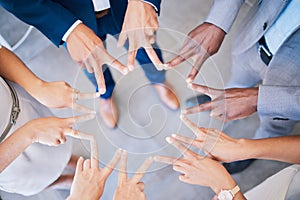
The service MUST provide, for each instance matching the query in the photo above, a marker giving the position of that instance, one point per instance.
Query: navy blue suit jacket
(54, 17)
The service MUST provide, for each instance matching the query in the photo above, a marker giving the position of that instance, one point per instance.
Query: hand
(52, 131)
(202, 42)
(226, 105)
(213, 142)
(86, 48)
(131, 189)
(61, 95)
(139, 27)
(89, 179)
(198, 170)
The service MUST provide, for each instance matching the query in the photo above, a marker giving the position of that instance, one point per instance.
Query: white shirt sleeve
(0, 46)
(66, 35)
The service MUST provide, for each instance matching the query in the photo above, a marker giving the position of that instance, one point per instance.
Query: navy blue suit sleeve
(51, 18)
(156, 3)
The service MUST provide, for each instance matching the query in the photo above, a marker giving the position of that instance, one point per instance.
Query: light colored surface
(141, 112)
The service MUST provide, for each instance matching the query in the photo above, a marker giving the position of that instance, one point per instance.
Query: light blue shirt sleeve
(287, 22)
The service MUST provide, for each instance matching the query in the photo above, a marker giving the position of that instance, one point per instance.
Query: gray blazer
(279, 93)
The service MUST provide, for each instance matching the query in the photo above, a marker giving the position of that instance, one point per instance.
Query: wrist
(227, 184)
(27, 133)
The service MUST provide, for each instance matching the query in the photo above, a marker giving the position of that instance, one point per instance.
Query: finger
(194, 142)
(131, 59)
(113, 163)
(94, 153)
(189, 124)
(192, 75)
(77, 134)
(154, 58)
(87, 164)
(100, 79)
(179, 169)
(149, 32)
(117, 65)
(87, 95)
(87, 66)
(122, 175)
(141, 171)
(122, 38)
(81, 108)
(62, 139)
(198, 108)
(183, 56)
(79, 166)
(184, 178)
(141, 186)
(78, 119)
(205, 90)
(164, 159)
(180, 147)
(152, 39)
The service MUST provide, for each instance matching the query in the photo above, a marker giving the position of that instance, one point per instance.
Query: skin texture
(139, 27)
(228, 104)
(131, 189)
(90, 179)
(87, 49)
(51, 94)
(201, 43)
(50, 131)
(199, 170)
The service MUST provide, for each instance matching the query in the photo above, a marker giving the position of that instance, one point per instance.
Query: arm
(51, 94)
(223, 13)
(40, 14)
(286, 104)
(227, 149)
(49, 131)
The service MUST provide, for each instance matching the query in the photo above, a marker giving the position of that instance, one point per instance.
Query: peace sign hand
(131, 189)
(198, 170)
(226, 105)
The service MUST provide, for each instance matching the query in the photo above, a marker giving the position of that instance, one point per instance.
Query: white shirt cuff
(66, 35)
(151, 5)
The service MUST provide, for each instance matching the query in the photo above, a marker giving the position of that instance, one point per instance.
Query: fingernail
(131, 67)
(181, 117)
(155, 158)
(174, 135)
(97, 94)
(125, 71)
(102, 90)
(189, 85)
(150, 158)
(189, 80)
(168, 139)
(184, 111)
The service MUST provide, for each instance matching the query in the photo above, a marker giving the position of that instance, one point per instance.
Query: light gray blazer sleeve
(279, 101)
(223, 13)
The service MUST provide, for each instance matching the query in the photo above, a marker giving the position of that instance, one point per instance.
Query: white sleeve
(66, 35)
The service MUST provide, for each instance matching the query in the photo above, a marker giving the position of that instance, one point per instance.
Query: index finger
(154, 58)
(78, 119)
(122, 175)
(180, 147)
(190, 124)
(211, 92)
(198, 108)
(86, 95)
(141, 171)
(94, 153)
(112, 164)
(164, 159)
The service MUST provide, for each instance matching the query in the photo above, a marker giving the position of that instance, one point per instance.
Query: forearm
(284, 149)
(13, 146)
(13, 69)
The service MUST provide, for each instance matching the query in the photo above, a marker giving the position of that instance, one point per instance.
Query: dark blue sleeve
(156, 3)
(49, 17)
